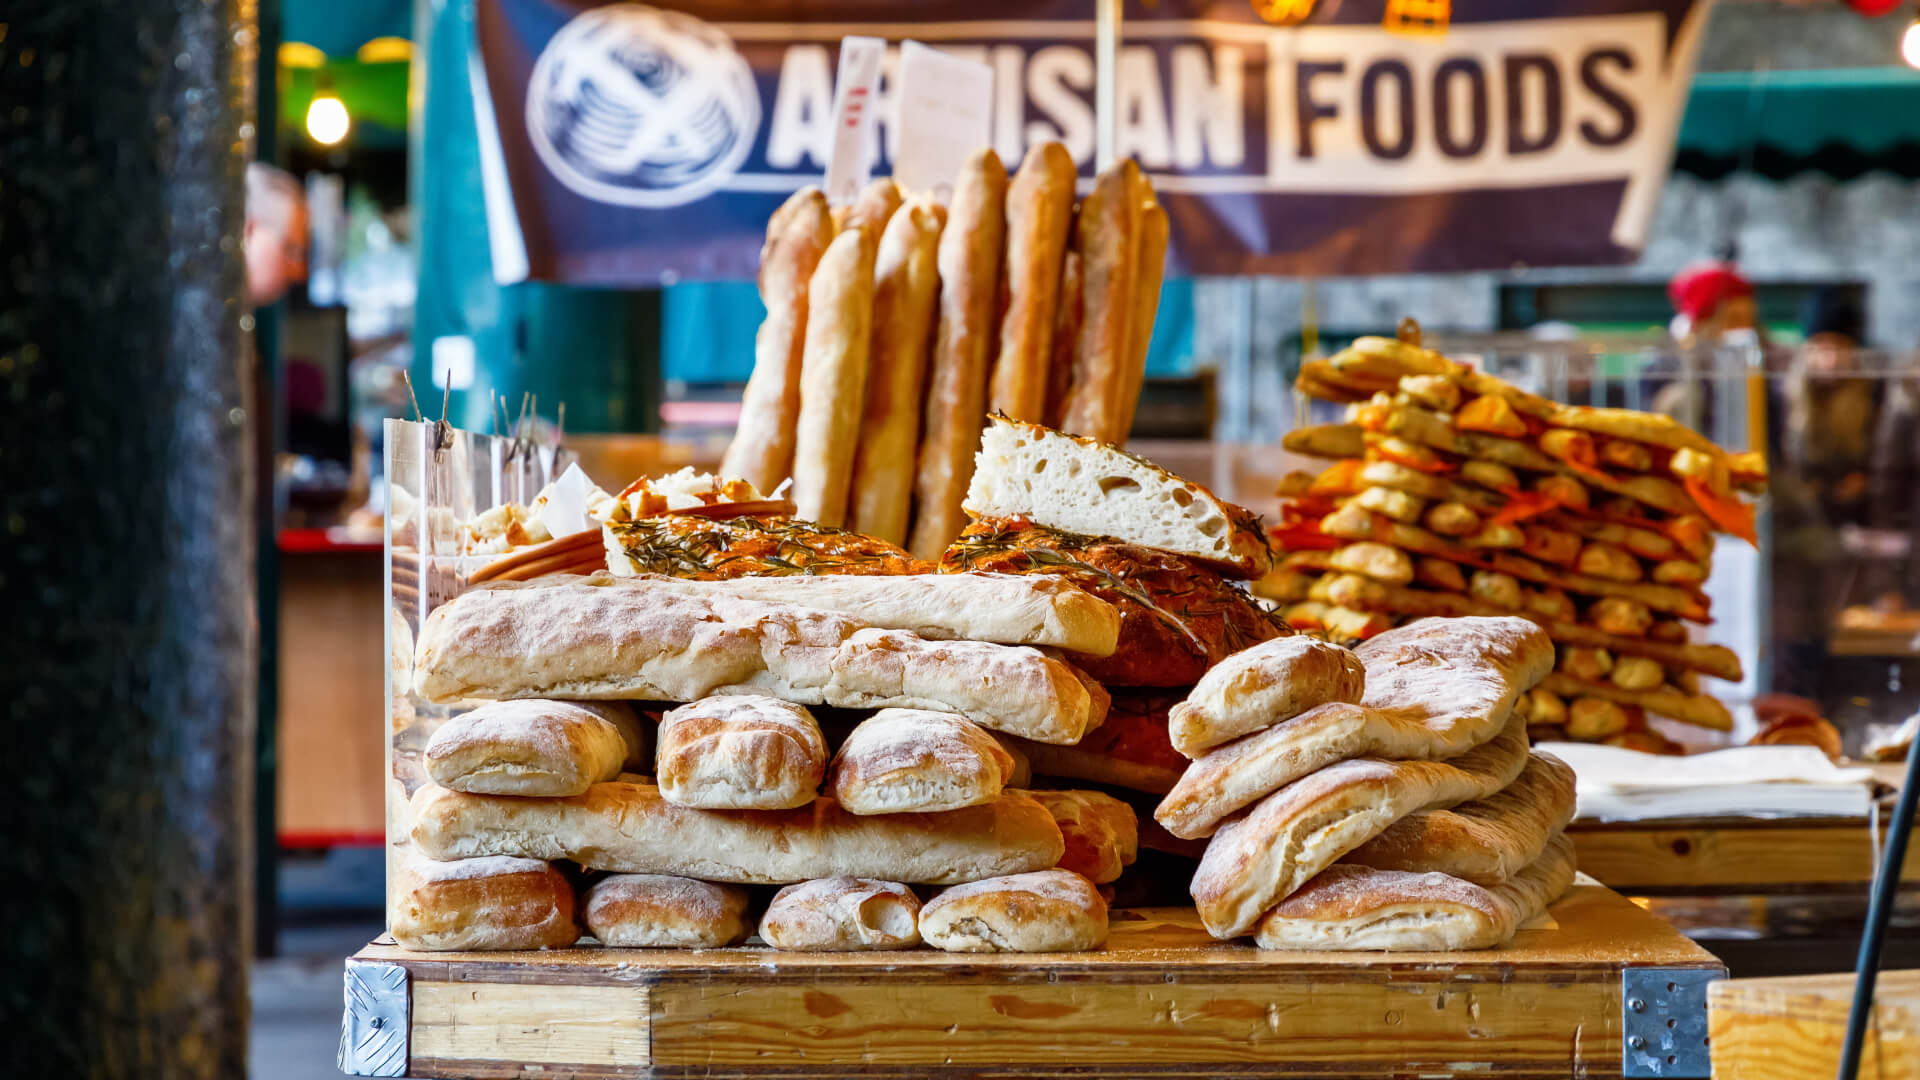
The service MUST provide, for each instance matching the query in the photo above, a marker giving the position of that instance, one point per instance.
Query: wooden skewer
(558, 564)
(571, 546)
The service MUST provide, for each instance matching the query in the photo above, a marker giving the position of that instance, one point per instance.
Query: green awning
(1777, 123)
(340, 27)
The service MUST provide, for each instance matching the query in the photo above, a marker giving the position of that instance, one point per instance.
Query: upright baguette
(1150, 267)
(956, 404)
(906, 290)
(1107, 238)
(833, 377)
(627, 827)
(1039, 213)
(874, 207)
(1068, 315)
(762, 448)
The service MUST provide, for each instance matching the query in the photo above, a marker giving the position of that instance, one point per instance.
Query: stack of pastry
(896, 324)
(743, 789)
(1377, 799)
(1456, 493)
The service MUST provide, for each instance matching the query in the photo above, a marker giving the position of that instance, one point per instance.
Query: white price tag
(853, 107)
(946, 114)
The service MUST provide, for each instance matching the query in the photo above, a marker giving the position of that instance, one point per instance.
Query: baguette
(833, 377)
(916, 761)
(481, 905)
(761, 452)
(956, 404)
(1039, 212)
(628, 911)
(627, 827)
(740, 752)
(842, 913)
(599, 638)
(1150, 267)
(1069, 316)
(1049, 911)
(872, 209)
(906, 290)
(1486, 841)
(535, 747)
(1107, 237)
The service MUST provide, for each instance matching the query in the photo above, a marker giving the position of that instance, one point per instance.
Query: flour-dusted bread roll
(841, 913)
(740, 752)
(1257, 688)
(1084, 486)
(1355, 908)
(1434, 689)
(535, 747)
(629, 828)
(663, 911)
(481, 905)
(902, 761)
(602, 637)
(1305, 827)
(1047, 911)
(1485, 841)
(1101, 833)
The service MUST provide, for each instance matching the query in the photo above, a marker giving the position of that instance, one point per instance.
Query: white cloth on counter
(1614, 784)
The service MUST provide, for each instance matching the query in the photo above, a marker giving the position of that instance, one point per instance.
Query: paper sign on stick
(946, 113)
(853, 105)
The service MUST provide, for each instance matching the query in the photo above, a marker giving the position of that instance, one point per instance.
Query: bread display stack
(1456, 493)
(895, 325)
(1376, 799)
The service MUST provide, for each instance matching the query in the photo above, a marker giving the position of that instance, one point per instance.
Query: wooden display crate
(1161, 1000)
(1785, 1029)
(1722, 856)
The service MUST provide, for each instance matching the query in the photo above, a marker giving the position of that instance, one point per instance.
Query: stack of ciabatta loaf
(1382, 798)
(743, 787)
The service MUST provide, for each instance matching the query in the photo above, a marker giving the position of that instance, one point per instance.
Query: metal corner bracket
(1663, 1022)
(373, 1030)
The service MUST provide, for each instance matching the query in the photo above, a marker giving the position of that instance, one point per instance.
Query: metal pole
(1106, 65)
(1886, 883)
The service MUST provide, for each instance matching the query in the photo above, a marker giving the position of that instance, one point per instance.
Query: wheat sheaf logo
(636, 106)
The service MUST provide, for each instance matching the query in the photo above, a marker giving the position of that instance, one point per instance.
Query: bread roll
(1069, 314)
(1485, 841)
(956, 402)
(906, 288)
(1150, 268)
(1257, 688)
(600, 638)
(1359, 908)
(535, 747)
(1039, 213)
(1100, 831)
(1305, 827)
(1129, 750)
(762, 448)
(842, 913)
(914, 761)
(481, 904)
(628, 828)
(740, 752)
(1107, 237)
(1048, 911)
(635, 911)
(833, 377)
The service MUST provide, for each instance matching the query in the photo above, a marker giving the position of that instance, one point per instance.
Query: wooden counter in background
(332, 692)
(1733, 856)
(1786, 1029)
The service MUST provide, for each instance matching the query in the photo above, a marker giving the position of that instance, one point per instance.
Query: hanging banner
(635, 144)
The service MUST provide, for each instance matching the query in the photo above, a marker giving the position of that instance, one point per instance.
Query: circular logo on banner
(641, 107)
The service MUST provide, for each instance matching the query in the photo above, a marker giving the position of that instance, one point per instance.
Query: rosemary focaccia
(1177, 618)
(691, 546)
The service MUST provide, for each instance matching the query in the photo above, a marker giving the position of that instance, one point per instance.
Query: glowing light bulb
(327, 120)
(1910, 44)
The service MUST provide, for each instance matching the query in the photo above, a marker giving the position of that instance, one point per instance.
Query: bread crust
(833, 377)
(535, 747)
(916, 761)
(1046, 911)
(1130, 750)
(1107, 237)
(1486, 841)
(1256, 688)
(740, 752)
(1101, 834)
(1039, 216)
(629, 911)
(481, 905)
(842, 913)
(906, 289)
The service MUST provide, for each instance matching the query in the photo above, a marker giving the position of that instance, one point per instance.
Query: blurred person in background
(274, 240)
(1713, 309)
(1828, 417)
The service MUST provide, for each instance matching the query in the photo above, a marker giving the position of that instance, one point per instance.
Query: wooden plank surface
(1776, 1029)
(332, 741)
(1162, 998)
(1719, 857)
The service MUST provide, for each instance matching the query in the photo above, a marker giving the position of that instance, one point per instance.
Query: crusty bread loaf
(906, 288)
(1010, 609)
(1257, 688)
(902, 761)
(1039, 215)
(1305, 827)
(602, 637)
(627, 827)
(481, 904)
(1021, 775)
(740, 752)
(1129, 750)
(833, 377)
(1101, 834)
(663, 911)
(1434, 689)
(1107, 236)
(1149, 269)
(1358, 908)
(1083, 486)
(1485, 841)
(1047, 911)
(535, 747)
(840, 913)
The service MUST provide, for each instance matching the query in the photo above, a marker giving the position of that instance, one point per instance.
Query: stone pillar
(125, 542)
